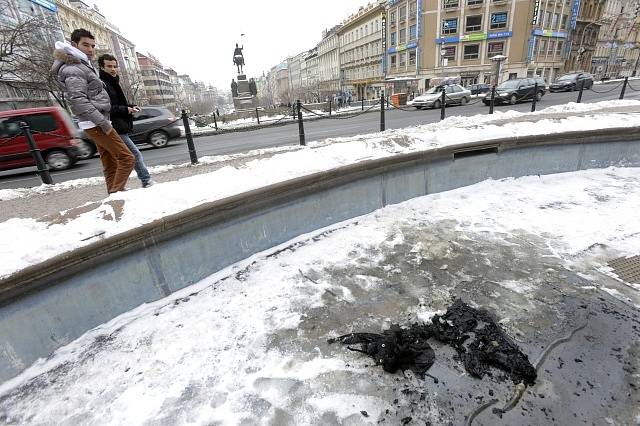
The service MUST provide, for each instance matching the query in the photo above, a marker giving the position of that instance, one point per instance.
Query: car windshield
(567, 77)
(436, 89)
(510, 84)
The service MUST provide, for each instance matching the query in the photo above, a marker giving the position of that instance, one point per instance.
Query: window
(552, 48)
(450, 4)
(563, 25)
(403, 36)
(403, 59)
(412, 32)
(547, 20)
(412, 57)
(474, 2)
(450, 26)
(498, 20)
(496, 48)
(393, 39)
(393, 60)
(392, 17)
(471, 51)
(449, 52)
(10, 127)
(559, 47)
(403, 13)
(543, 47)
(474, 23)
(412, 9)
(554, 22)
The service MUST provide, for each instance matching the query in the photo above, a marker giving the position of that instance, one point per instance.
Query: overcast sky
(197, 37)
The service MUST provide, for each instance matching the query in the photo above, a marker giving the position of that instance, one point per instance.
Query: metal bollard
(257, 115)
(535, 98)
(581, 90)
(187, 133)
(624, 87)
(329, 107)
(215, 122)
(43, 170)
(443, 102)
(300, 124)
(362, 100)
(382, 123)
(492, 102)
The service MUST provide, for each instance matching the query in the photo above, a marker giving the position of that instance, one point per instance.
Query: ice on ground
(248, 344)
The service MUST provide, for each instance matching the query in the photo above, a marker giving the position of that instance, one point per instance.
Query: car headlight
(503, 94)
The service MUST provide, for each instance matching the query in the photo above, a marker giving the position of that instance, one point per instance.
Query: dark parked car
(153, 125)
(572, 82)
(517, 90)
(479, 89)
(53, 132)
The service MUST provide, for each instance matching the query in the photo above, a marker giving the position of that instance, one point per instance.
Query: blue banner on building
(574, 13)
(549, 33)
(46, 4)
(475, 37)
(532, 45)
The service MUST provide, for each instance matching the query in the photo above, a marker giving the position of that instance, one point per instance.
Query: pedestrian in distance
(90, 103)
(122, 113)
(217, 112)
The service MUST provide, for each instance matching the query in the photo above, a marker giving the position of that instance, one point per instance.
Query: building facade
(312, 79)
(404, 62)
(329, 64)
(157, 82)
(76, 14)
(584, 35)
(361, 52)
(20, 90)
(616, 50)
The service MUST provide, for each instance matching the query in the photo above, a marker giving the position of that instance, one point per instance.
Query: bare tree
(26, 54)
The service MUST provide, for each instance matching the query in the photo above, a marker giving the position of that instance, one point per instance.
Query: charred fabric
(475, 335)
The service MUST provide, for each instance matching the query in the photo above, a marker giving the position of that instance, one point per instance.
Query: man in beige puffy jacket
(90, 103)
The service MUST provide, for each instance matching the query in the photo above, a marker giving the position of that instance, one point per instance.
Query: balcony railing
(451, 4)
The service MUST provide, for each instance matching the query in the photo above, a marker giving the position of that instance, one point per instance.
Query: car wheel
(418, 107)
(158, 139)
(437, 104)
(513, 99)
(58, 160)
(464, 100)
(86, 150)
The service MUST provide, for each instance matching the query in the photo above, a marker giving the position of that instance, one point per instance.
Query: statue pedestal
(245, 101)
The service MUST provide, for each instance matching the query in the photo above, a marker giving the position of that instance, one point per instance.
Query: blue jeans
(140, 168)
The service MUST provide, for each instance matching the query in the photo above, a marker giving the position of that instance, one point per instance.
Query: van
(53, 132)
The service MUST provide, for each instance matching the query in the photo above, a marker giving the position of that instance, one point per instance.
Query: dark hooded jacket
(84, 89)
(121, 120)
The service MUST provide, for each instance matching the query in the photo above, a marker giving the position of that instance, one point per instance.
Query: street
(231, 143)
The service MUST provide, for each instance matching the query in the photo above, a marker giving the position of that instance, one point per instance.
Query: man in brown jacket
(90, 103)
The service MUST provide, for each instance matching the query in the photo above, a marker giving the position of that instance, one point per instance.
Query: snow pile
(29, 241)
(246, 345)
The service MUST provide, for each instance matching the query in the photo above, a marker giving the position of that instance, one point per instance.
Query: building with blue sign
(456, 39)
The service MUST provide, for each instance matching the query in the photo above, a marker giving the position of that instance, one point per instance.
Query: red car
(54, 134)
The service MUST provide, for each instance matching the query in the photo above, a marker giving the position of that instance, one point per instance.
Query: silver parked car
(432, 98)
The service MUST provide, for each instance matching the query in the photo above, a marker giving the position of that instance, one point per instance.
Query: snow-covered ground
(26, 242)
(248, 345)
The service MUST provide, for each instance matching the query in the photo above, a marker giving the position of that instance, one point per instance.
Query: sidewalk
(46, 202)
